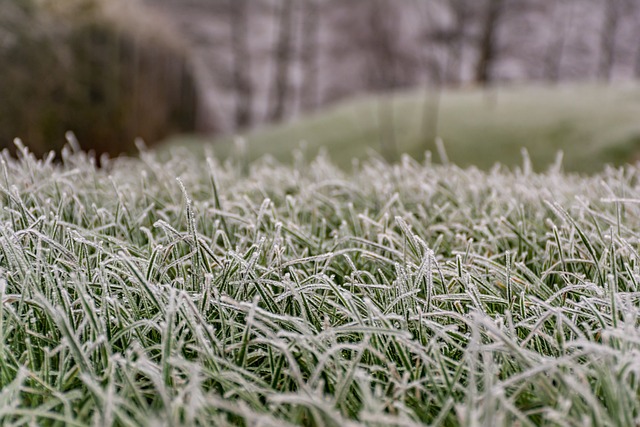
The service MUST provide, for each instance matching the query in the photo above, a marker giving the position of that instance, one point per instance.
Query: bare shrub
(93, 67)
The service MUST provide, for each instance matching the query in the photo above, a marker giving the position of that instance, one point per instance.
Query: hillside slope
(592, 124)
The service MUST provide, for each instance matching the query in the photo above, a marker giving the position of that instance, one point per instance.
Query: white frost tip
(73, 141)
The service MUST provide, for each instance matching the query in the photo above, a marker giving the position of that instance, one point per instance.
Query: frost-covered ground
(189, 292)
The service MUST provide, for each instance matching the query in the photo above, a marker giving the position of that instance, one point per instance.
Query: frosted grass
(189, 292)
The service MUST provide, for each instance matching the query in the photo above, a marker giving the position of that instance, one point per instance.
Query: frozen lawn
(278, 295)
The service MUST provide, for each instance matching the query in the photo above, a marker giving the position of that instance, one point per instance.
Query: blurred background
(477, 79)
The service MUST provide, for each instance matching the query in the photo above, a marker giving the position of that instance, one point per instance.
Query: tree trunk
(310, 55)
(455, 74)
(241, 63)
(385, 64)
(488, 42)
(637, 64)
(608, 39)
(283, 62)
(556, 48)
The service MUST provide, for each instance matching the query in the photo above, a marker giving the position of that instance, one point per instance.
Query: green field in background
(591, 124)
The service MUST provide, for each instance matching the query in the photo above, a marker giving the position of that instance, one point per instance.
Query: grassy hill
(592, 124)
(271, 295)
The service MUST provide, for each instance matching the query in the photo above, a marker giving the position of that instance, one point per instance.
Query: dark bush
(82, 68)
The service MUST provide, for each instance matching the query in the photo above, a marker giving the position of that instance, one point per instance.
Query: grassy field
(591, 124)
(193, 292)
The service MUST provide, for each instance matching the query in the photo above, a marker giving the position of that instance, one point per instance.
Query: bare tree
(460, 10)
(611, 20)
(310, 54)
(488, 48)
(241, 65)
(383, 47)
(442, 35)
(435, 71)
(636, 71)
(554, 55)
(385, 68)
(283, 56)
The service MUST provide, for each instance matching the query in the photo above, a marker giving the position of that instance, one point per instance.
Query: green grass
(188, 292)
(591, 124)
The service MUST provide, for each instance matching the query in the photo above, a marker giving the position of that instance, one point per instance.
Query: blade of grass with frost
(66, 330)
(167, 338)
(585, 240)
(141, 279)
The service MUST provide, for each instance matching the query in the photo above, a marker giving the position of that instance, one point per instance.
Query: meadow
(179, 289)
(593, 124)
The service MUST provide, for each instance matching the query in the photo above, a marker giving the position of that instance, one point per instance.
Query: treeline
(272, 59)
(98, 68)
(112, 71)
